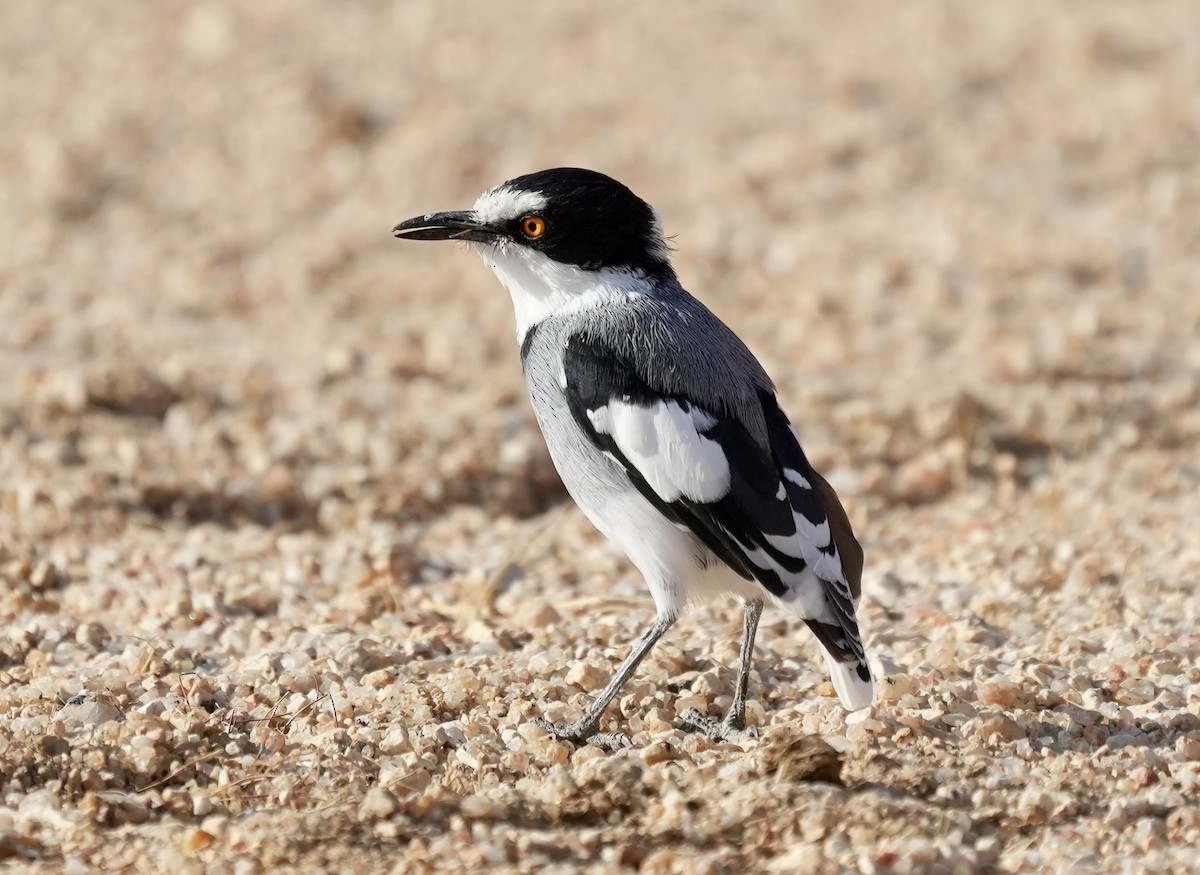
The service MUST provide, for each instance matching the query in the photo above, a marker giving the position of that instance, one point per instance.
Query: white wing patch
(797, 478)
(665, 444)
(502, 204)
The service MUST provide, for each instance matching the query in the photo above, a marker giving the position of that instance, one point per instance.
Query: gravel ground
(284, 566)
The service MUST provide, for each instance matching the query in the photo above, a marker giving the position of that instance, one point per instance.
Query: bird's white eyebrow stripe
(502, 204)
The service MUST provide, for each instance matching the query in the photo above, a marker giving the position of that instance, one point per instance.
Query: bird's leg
(736, 718)
(583, 731)
(733, 727)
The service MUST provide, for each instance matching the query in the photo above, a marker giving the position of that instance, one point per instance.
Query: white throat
(541, 287)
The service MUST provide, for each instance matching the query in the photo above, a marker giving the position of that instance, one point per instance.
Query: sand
(284, 566)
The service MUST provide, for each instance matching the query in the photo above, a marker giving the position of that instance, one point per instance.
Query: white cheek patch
(665, 445)
(503, 204)
(541, 287)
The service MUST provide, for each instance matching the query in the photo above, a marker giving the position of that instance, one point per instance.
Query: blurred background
(994, 207)
(238, 419)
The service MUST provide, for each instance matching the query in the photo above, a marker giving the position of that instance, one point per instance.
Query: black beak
(459, 225)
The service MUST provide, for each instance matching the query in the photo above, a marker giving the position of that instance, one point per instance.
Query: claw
(579, 733)
(725, 730)
(611, 741)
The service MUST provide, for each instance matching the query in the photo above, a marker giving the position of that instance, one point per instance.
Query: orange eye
(533, 227)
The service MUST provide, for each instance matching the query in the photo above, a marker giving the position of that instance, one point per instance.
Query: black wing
(760, 509)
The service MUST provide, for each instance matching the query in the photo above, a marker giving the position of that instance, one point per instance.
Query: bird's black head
(573, 216)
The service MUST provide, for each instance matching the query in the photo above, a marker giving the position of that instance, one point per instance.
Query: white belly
(677, 567)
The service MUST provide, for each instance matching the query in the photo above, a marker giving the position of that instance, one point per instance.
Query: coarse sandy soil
(284, 566)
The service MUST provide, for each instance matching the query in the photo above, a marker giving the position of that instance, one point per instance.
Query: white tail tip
(854, 692)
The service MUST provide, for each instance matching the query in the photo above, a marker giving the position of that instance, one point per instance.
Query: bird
(665, 429)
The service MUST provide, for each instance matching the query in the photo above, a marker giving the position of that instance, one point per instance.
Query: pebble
(285, 568)
(196, 840)
(997, 726)
(588, 676)
(1004, 694)
(378, 803)
(202, 804)
(90, 711)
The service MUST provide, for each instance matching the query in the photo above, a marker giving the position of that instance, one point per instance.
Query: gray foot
(583, 733)
(725, 730)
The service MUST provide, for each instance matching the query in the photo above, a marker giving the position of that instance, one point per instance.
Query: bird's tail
(850, 673)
